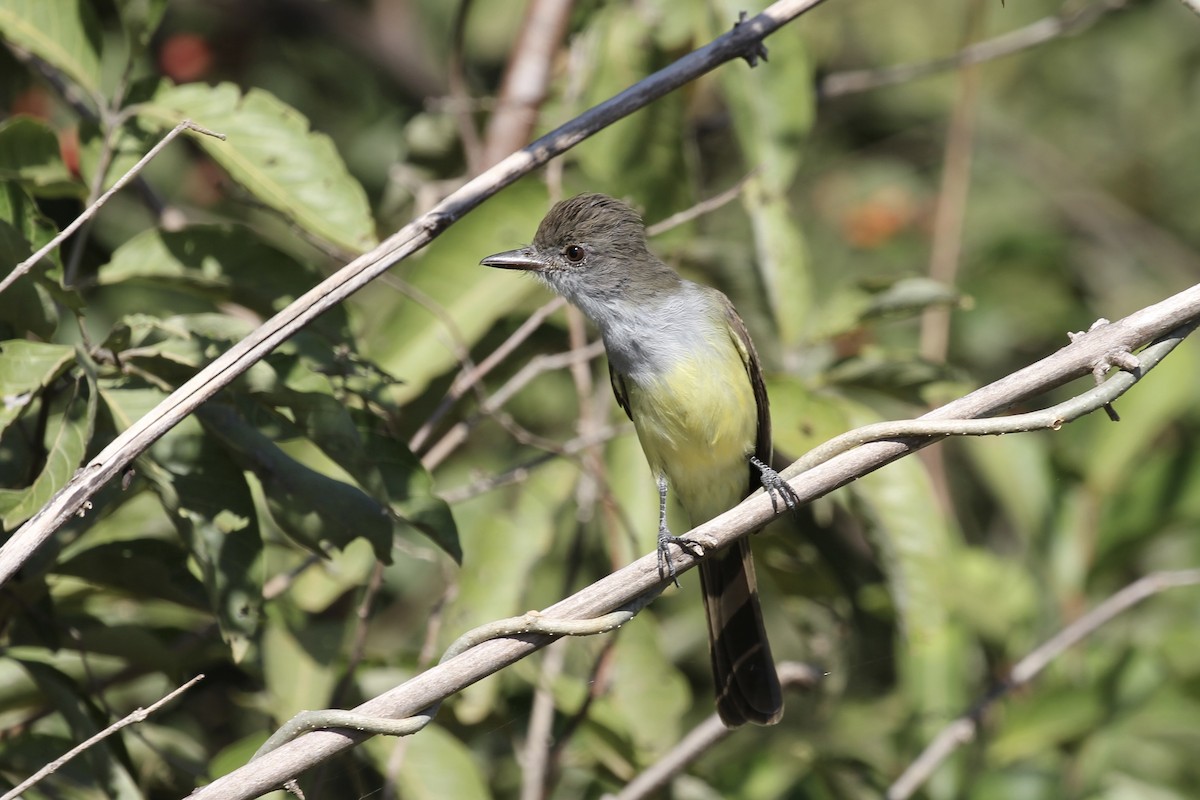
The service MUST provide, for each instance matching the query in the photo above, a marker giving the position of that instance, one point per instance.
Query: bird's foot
(776, 487)
(666, 564)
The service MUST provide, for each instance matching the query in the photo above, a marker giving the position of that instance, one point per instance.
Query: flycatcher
(684, 369)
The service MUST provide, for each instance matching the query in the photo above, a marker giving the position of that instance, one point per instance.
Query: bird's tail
(744, 672)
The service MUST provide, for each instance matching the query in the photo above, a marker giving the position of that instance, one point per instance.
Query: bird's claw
(776, 487)
(666, 564)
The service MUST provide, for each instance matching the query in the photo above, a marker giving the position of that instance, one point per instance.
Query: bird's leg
(776, 487)
(666, 564)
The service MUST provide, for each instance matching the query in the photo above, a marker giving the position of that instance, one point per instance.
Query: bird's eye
(574, 253)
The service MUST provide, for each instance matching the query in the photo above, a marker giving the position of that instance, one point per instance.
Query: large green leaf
(296, 661)
(29, 153)
(772, 109)
(63, 33)
(272, 152)
(352, 437)
(648, 688)
(436, 765)
(207, 500)
(26, 307)
(221, 262)
(26, 367)
(313, 508)
(69, 433)
(505, 536)
(918, 552)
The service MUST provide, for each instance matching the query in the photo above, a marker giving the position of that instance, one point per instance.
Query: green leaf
(772, 109)
(311, 507)
(505, 536)
(25, 368)
(63, 33)
(144, 568)
(26, 306)
(297, 661)
(207, 500)
(904, 517)
(436, 766)
(66, 446)
(140, 19)
(410, 341)
(1034, 728)
(211, 506)
(271, 151)
(408, 491)
(648, 688)
(910, 296)
(781, 257)
(1017, 471)
(29, 153)
(623, 52)
(384, 467)
(226, 263)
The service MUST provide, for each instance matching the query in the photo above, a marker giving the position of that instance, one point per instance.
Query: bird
(685, 371)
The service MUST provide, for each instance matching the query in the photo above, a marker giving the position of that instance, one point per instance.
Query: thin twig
(1032, 35)
(468, 377)
(521, 472)
(533, 368)
(700, 209)
(91, 210)
(133, 717)
(460, 95)
(963, 729)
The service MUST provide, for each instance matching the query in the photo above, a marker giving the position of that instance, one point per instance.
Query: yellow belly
(697, 426)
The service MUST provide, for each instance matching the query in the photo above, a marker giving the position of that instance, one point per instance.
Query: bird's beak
(526, 258)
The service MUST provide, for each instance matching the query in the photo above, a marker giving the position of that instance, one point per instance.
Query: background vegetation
(287, 543)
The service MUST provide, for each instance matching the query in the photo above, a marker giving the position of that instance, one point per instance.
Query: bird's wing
(619, 391)
(741, 340)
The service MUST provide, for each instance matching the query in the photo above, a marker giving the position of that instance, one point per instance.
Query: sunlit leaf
(63, 33)
(437, 765)
(26, 307)
(208, 502)
(29, 153)
(66, 443)
(297, 660)
(221, 262)
(311, 507)
(273, 153)
(26, 367)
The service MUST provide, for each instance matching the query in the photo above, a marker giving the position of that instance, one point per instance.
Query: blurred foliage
(286, 542)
